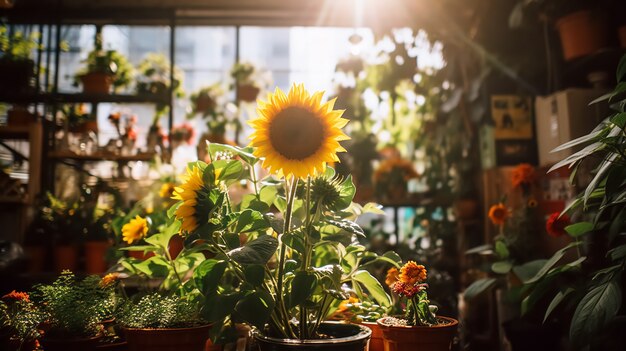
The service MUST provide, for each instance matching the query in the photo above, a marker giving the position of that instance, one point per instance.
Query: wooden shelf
(15, 132)
(13, 200)
(101, 156)
(84, 98)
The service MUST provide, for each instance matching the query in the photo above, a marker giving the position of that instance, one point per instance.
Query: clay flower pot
(408, 338)
(376, 342)
(65, 258)
(95, 256)
(70, 344)
(247, 92)
(96, 83)
(167, 339)
(582, 33)
(37, 258)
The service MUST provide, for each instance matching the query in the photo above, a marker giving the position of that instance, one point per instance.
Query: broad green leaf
(595, 311)
(619, 120)
(577, 229)
(346, 193)
(172, 210)
(251, 221)
(208, 275)
(556, 301)
(228, 171)
(621, 69)
(244, 153)
(163, 239)
(551, 262)
(347, 225)
(256, 308)
(373, 208)
(294, 241)
(373, 286)
(302, 286)
(257, 251)
(502, 250)
(482, 249)
(255, 274)
(154, 267)
(529, 269)
(250, 201)
(478, 287)
(617, 253)
(502, 267)
(267, 194)
(218, 306)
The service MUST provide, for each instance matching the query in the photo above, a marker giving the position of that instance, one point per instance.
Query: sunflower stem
(283, 248)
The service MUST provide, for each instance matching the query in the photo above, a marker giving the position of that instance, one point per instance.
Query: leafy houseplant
(280, 273)
(247, 81)
(103, 69)
(154, 78)
(16, 64)
(590, 295)
(420, 329)
(19, 322)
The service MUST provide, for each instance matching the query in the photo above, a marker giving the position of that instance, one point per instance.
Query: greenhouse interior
(313, 175)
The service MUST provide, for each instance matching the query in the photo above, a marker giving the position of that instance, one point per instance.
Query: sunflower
(188, 193)
(296, 133)
(392, 276)
(135, 229)
(167, 190)
(412, 273)
(498, 214)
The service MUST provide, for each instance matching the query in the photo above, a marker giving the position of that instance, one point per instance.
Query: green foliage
(154, 78)
(20, 319)
(419, 311)
(110, 62)
(17, 46)
(161, 311)
(75, 307)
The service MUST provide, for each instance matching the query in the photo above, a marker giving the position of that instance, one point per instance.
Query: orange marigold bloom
(16, 296)
(109, 279)
(498, 214)
(392, 276)
(555, 225)
(408, 290)
(523, 174)
(412, 273)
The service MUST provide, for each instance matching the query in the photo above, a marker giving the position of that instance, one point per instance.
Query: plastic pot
(95, 256)
(65, 257)
(582, 33)
(344, 337)
(407, 338)
(96, 83)
(70, 344)
(167, 339)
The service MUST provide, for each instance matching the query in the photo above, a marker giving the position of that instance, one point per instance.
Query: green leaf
(617, 253)
(604, 167)
(595, 311)
(217, 306)
(251, 221)
(502, 250)
(244, 153)
(172, 210)
(302, 286)
(208, 275)
(163, 239)
(560, 296)
(250, 201)
(256, 308)
(347, 225)
(154, 267)
(267, 194)
(346, 193)
(529, 269)
(294, 241)
(502, 267)
(551, 262)
(392, 257)
(478, 287)
(228, 171)
(373, 208)
(373, 286)
(621, 69)
(619, 120)
(257, 251)
(577, 229)
(255, 274)
(482, 249)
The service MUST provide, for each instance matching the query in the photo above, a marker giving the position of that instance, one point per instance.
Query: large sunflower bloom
(135, 229)
(188, 193)
(296, 133)
(412, 273)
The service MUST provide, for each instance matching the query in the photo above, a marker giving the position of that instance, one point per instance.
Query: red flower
(16, 296)
(523, 174)
(408, 290)
(555, 225)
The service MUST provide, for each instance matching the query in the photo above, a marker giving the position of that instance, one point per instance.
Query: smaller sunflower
(392, 276)
(167, 190)
(135, 229)
(188, 193)
(498, 214)
(412, 273)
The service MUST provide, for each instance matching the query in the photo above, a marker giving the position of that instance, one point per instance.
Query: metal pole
(172, 63)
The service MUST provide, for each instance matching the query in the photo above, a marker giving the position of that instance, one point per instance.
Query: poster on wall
(513, 130)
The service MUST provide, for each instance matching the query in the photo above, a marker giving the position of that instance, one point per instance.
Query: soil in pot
(171, 339)
(96, 83)
(70, 344)
(582, 33)
(408, 338)
(95, 256)
(342, 337)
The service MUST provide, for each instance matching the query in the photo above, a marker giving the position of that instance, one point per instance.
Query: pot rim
(168, 329)
(452, 323)
(365, 333)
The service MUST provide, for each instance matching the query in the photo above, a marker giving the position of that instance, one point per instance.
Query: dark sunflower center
(296, 133)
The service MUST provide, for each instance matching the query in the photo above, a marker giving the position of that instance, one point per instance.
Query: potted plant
(75, 310)
(98, 241)
(162, 322)
(154, 79)
(420, 328)
(391, 178)
(104, 69)
(64, 225)
(585, 292)
(247, 81)
(19, 322)
(279, 273)
(366, 313)
(16, 64)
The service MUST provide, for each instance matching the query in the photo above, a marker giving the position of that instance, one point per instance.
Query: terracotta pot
(74, 344)
(176, 245)
(621, 31)
(95, 256)
(174, 339)
(247, 92)
(582, 33)
(36, 257)
(344, 337)
(13, 345)
(376, 342)
(19, 116)
(118, 346)
(209, 346)
(405, 338)
(65, 257)
(96, 83)
(140, 255)
(466, 208)
(205, 104)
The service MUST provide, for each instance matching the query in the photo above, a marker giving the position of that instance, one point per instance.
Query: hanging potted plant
(279, 274)
(74, 311)
(420, 328)
(391, 178)
(153, 78)
(247, 81)
(19, 322)
(16, 64)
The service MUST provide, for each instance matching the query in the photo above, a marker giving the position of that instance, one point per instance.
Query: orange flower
(109, 279)
(523, 174)
(498, 214)
(408, 290)
(16, 296)
(412, 273)
(392, 276)
(343, 306)
(555, 225)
